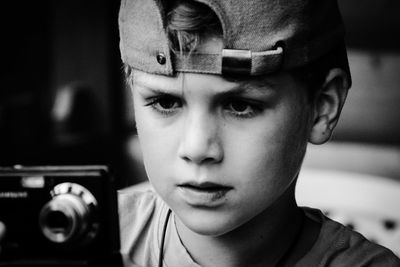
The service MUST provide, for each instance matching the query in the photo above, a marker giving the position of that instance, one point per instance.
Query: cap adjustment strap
(231, 62)
(267, 61)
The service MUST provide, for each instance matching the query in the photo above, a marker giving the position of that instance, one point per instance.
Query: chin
(208, 230)
(209, 225)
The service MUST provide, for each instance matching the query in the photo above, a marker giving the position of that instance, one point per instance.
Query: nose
(200, 142)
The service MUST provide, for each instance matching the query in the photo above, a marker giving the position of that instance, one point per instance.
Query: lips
(205, 194)
(204, 186)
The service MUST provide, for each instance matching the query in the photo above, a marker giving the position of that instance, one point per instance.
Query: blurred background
(63, 99)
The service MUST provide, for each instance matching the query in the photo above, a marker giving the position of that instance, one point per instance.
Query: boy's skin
(246, 138)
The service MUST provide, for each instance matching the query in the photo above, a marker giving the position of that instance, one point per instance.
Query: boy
(226, 96)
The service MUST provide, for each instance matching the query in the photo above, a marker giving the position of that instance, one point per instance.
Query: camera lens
(69, 215)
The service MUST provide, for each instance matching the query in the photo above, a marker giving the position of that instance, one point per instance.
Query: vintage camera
(58, 216)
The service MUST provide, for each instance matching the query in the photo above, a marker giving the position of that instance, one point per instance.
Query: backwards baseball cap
(259, 37)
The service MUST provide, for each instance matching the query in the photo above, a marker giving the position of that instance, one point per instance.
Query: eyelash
(255, 107)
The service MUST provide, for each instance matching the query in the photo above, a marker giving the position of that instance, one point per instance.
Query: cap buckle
(236, 62)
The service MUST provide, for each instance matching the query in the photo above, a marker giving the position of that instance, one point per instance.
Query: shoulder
(338, 245)
(137, 198)
(140, 213)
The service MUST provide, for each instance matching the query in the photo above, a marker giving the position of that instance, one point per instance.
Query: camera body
(59, 216)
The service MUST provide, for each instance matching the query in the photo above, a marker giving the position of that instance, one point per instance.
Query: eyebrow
(159, 90)
(260, 85)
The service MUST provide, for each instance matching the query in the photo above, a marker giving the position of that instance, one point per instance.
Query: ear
(328, 105)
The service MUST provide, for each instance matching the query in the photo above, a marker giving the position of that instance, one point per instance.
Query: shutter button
(161, 58)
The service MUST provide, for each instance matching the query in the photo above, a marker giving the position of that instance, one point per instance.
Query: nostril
(210, 161)
(202, 159)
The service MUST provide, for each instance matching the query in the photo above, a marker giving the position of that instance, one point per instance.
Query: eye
(167, 102)
(164, 104)
(242, 108)
(239, 106)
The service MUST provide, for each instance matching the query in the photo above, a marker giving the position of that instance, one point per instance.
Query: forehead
(209, 82)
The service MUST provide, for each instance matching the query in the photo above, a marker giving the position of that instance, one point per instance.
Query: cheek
(152, 141)
(159, 145)
(293, 138)
(273, 152)
(274, 141)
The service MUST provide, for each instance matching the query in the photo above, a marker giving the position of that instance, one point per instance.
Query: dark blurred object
(371, 114)
(75, 114)
(75, 127)
(24, 76)
(59, 216)
(45, 46)
(372, 24)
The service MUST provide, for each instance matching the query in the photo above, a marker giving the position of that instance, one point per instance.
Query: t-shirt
(143, 215)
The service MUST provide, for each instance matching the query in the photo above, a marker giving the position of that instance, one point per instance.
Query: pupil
(167, 103)
(239, 106)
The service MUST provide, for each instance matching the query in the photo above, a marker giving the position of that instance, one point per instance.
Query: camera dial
(69, 215)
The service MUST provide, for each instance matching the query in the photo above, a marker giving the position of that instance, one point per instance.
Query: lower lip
(203, 197)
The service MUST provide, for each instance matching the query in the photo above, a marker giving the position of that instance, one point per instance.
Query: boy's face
(220, 152)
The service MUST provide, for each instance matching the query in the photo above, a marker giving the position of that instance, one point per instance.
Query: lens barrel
(69, 215)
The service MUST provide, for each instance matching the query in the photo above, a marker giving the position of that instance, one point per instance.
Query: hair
(188, 23)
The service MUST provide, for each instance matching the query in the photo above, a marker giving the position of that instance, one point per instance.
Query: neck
(262, 241)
